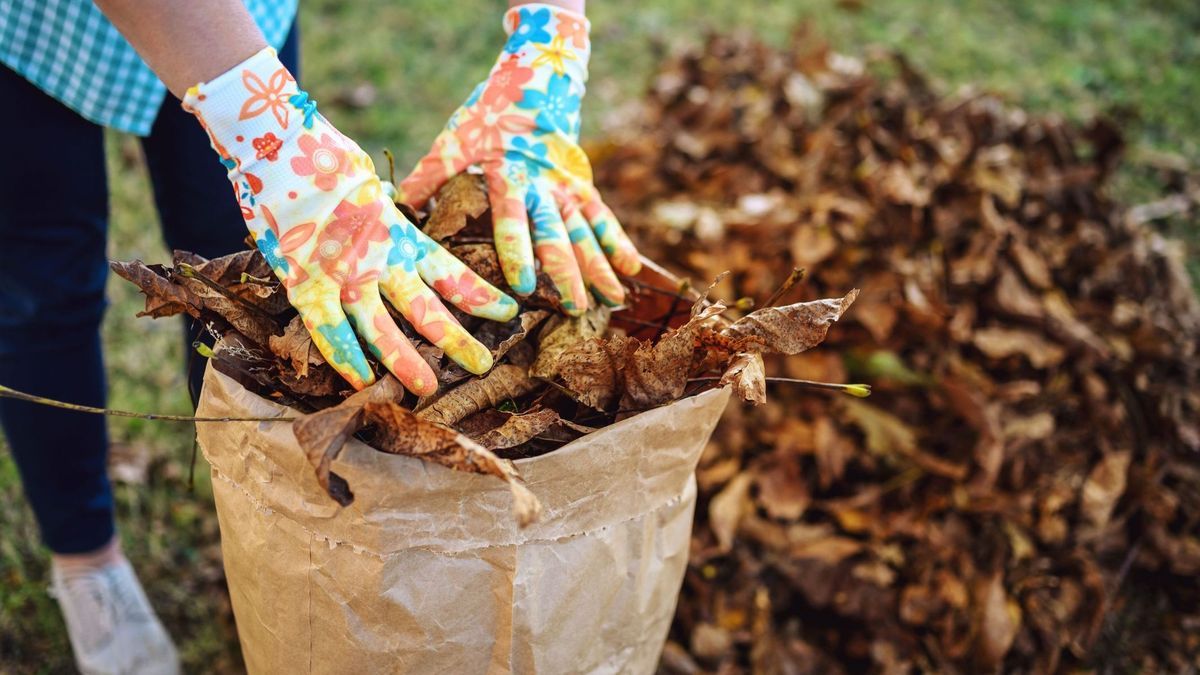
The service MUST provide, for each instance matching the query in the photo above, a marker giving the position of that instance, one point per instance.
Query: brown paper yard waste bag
(427, 571)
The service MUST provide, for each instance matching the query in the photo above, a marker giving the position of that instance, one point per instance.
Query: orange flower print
(266, 96)
(353, 283)
(598, 273)
(326, 160)
(428, 317)
(504, 86)
(481, 131)
(464, 291)
(345, 239)
(570, 28)
(393, 349)
(558, 261)
(267, 147)
(568, 204)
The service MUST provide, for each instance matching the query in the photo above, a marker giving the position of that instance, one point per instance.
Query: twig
(793, 278)
(251, 279)
(188, 272)
(666, 321)
(857, 390)
(391, 165)
(7, 392)
(655, 289)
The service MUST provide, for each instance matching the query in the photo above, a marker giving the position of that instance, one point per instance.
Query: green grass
(1138, 61)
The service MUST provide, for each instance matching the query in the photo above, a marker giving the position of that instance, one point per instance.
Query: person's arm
(311, 197)
(186, 41)
(569, 5)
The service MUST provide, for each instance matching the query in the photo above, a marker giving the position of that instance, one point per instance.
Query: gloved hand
(318, 213)
(521, 126)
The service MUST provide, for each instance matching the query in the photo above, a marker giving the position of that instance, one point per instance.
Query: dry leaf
(462, 198)
(296, 346)
(322, 434)
(782, 490)
(888, 436)
(656, 373)
(163, 298)
(398, 431)
(1000, 343)
(726, 509)
(592, 369)
(1104, 487)
(517, 429)
(791, 329)
(747, 377)
(247, 318)
(830, 550)
(505, 381)
(561, 333)
(999, 621)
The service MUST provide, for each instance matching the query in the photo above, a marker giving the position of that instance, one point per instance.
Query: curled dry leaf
(260, 286)
(525, 323)
(518, 429)
(296, 346)
(794, 328)
(163, 298)
(322, 434)
(561, 333)
(243, 315)
(398, 431)
(747, 377)
(655, 373)
(592, 370)
(462, 198)
(505, 381)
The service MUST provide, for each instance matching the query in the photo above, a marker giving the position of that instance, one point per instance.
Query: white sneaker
(112, 628)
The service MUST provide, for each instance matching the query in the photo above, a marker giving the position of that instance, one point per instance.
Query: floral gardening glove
(318, 213)
(522, 127)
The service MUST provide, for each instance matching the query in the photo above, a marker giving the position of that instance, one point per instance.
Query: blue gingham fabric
(69, 50)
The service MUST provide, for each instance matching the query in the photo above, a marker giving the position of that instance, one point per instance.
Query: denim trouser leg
(53, 267)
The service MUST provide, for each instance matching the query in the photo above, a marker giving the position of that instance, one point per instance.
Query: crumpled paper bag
(426, 572)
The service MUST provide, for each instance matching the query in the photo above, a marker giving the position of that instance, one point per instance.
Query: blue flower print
(532, 154)
(407, 249)
(544, 215)
(268, 245)
(345, 351)
(531, 27)
(307, 107)
(558, 108)
(246, 194)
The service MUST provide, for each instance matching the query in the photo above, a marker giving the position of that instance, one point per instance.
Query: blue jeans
(53, 231)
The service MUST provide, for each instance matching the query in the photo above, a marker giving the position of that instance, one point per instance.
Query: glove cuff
(251, 111)
(540, 33)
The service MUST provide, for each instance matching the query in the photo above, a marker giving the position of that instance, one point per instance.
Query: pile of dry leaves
(1023, 490)
(556, 378)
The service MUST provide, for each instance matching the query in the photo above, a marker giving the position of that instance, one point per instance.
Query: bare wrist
(576, 6)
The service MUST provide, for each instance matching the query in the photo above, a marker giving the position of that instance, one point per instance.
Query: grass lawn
(389, 73)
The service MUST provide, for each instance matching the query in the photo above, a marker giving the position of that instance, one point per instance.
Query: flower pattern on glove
(521, 126)
(339, 245)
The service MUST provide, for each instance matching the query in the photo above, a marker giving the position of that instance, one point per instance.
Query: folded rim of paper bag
(614, 474)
